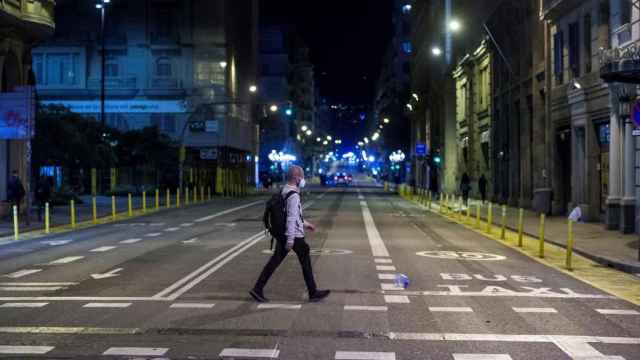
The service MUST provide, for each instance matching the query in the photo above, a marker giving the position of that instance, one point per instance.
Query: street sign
(211, 126)
(421, 149)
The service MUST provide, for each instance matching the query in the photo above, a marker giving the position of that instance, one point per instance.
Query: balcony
(552, 9)
(35, 17)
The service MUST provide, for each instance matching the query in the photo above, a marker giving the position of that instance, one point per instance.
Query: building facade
(22, 24)
(164, 66)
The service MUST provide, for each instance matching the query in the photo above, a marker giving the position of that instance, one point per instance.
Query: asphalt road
(174, 285)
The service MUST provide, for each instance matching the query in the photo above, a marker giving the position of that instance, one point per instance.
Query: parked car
(342, 179)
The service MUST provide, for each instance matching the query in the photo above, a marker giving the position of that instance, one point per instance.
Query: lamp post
(102, 7)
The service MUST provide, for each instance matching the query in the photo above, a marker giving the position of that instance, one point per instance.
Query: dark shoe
(258, 296)
(319, 295)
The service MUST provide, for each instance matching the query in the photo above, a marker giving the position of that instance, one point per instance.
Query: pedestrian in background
(43, 194)
(482, 186)
(15, 191)
(292, 239)
(465, 188)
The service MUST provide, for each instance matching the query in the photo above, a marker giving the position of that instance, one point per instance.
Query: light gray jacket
(295, 221)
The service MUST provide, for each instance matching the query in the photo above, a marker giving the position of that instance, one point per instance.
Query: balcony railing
(37, 16)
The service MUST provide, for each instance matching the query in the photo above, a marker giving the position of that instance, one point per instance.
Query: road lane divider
(210, 217)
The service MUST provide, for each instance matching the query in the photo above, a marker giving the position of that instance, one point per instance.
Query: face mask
(302, 184)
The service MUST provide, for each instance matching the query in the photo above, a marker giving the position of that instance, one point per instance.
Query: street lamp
(454, 25)
(386, 120)
(223, 64)
(274, 108)
(304, 128)
(329, 137)
(318, 139)
(102, 7)
(253, 89)
(436, 51)
(309, 132)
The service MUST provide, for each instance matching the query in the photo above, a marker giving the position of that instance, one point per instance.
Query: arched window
(163, 67)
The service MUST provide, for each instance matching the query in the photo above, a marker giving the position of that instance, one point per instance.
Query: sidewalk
(591, 240)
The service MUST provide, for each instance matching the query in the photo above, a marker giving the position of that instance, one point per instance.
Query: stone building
(23, 23)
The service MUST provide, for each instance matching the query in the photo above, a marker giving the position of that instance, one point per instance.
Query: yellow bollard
(202, 198)
(72, 208)
(178, 198)
(157, 199)
(129, 206)
(94, 210)
(113, 208)
(186, 196)
(144, 201)
(47, 219)
(478, 208)
(168, 200)
(468, 212)
(569, 245)
(520, 226)
(489, 218)
(429, 201)
(195, 195)
(16, 228)
(541, 231)
(441, 203)
(460, 207)
(503, 224)
(209, 193)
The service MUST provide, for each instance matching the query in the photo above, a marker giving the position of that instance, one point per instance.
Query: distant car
(343, 179)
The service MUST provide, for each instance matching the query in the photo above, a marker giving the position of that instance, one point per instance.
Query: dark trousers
(301, 248)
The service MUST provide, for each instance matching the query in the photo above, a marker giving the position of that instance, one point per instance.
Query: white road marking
(103, 249)
(496, 291)
(191, 306)
(576, 347)
(396, 299)
(79, 298)
(450, 309)
(386, 276)
(186, 224)
(390, 286)
(385, 268)
(21, 273)
(481, 357)
(7, 349)
(66, 260)
(617, 312)
(31, 288)
(38, 283)
(207, 218)
(360, 197)
(383, 261)
(172, 229)
(354, 355)
(110, 274)
(375, 241)
(24, 305)
(191, 241)
(365, 308)
(68, 330)
(250, 353)
(280, 306)
(153, 235)
(55, 242)
(130, 241)
(135, 351)
(156, 224)
(107, 305)
(535, 310)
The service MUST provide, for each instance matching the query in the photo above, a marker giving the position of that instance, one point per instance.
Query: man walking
(482, 186)
(293, 240)
(15, 191)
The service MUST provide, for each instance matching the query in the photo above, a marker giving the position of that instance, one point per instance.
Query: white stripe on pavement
(7, 349)
(186, 224)
(365, 308)
(31, 288)
(390, 286)
(191, 306)
(107, 305)
(355, 355)
(38, 283)
(280, 306)
(21, 273)
(207, 218)
(386, 276)
(135, 351)
(617, 312)
(24, 305)
(396, 299)
(172, 229)
(68, 330)
(385, 268)
(153, 235)
(66, 260)
(250, 353)
(481, 357)
(383, 261)
(450, 309)
(130, 241)
(535, 310)
(103, 249)
(375, 241)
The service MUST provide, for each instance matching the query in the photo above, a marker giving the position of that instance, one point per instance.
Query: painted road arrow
(112, 273)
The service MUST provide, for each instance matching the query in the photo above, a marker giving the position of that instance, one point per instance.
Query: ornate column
(628, 207)
(615, 158)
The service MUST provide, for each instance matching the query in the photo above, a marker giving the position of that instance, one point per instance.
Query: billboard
(121, 106)
(17, 114)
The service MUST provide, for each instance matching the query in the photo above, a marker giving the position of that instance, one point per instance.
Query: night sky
(347, 41)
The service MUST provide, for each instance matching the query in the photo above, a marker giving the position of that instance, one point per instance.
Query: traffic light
(289, 112)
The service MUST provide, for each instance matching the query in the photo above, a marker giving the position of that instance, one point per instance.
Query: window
(166, 123)
(111, 67)
(56, 69)
(558, 60)
(484, 88)
(163, 67)
(587, 43)
(406, 47)
(574, 49)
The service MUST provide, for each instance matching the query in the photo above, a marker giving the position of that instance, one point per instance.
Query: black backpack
(275, 216)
